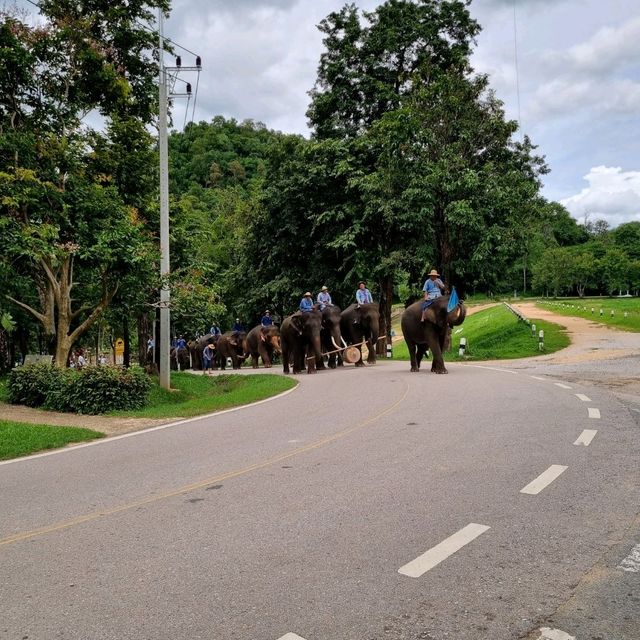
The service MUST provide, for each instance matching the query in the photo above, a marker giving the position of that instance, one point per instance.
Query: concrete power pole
(165, 294)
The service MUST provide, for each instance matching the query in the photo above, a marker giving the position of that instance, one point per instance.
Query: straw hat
(433, 272)
(325, 288)
(308, 293)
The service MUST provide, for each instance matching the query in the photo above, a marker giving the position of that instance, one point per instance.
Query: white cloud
(612, 194)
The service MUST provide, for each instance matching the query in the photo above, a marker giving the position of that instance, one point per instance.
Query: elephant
(196, 347)
(360, 322)
(262, 342)
(330, 334)
(300, 337)
(180, 358)
(431, 334)
(231, 345)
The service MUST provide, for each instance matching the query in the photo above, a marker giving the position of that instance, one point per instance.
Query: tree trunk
(386, 301)
(5, 355)
(126, 336)
(144, 333)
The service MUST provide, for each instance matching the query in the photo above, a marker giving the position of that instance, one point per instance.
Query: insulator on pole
(178, 61)
(198, 61)
(189, 88)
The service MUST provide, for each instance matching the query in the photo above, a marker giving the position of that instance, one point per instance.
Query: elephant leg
(285, 359)
(371, 345)
(437, 363)
(255, 359)
(264, 355)
(420, 351)
(415, 362)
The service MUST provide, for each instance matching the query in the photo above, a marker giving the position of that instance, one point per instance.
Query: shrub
(88, 390)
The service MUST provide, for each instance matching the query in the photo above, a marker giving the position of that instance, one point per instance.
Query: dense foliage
(89, 390)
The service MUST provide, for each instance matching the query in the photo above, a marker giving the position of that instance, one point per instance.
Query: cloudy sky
(578, 75)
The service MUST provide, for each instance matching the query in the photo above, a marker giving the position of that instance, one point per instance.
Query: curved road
(365, 504)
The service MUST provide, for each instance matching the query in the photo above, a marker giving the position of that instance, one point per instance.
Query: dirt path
(590, 342)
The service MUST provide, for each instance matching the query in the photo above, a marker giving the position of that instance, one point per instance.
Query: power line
(515, 55)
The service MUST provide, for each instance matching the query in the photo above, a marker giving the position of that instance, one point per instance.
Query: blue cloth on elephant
(453, 300)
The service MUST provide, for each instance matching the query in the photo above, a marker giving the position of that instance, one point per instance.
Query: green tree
(552, 273)
(72, 204)
(627, 237)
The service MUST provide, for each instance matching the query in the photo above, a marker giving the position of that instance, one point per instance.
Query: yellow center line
(34, 533)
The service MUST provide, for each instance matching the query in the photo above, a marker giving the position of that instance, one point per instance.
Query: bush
(88, 390)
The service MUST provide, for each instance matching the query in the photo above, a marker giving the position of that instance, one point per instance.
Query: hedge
(87, 390)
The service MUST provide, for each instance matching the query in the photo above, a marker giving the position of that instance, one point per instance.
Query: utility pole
(165, 293)
(167, 77)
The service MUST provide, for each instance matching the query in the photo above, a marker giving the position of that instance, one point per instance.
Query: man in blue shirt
(363, 295)
(433, 287)
(324, 298)
(214, 330)
(267, 320)
(306, 304)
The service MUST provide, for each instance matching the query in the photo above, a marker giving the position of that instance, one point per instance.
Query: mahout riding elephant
(196, 347)
(231, 345)
(300, 339)
(262, 342)
(359, 323)
(179, 358)
(431, 334)
(330, 334)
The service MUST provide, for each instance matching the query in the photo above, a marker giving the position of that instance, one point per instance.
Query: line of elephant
(305, 339)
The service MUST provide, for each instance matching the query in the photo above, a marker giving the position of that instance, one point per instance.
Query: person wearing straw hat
(267, 320)
(433, 287)
(324, 298)
(363, 295)
(306, 304)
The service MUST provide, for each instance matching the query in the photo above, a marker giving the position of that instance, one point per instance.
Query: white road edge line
(479, 366)
(443, 550)
(632, 561)
(544, 479)
(554, 634)
(594, 413)
(539, 378)
(132, 434)
(586, 437)
(582, 397)
(291, 636)
(562, 385)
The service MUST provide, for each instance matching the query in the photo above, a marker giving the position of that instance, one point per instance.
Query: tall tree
(72, 206)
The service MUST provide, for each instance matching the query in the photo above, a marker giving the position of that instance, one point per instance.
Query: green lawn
(193, 395)
(582, 309)
(496, 334)
(21, 439)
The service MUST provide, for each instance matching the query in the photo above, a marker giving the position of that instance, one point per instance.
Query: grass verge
(20, 439)
(599, 310)
(194, 395)
(496, 334)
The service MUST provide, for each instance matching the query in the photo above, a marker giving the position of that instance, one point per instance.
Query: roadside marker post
(541, 340)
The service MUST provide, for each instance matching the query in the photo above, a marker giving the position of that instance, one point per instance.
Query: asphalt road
(366, 504)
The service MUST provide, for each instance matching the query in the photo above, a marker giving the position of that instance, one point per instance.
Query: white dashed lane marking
(291, 636)
(539, 378)
(562, 386)
(544, 479)
(594, 413)
(443, 550)
(586, 437)
(632, 561)
(554, 634)
(582, 397)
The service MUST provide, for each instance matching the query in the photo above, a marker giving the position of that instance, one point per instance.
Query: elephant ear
(297, 322)
(436, 314)
(429, 315)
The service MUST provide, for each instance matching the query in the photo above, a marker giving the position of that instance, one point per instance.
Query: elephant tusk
(335, 344)
(343, 342)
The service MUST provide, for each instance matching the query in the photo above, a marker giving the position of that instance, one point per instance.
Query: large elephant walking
(330, 334)
(431, 334)
(179, 358)
(300, 339)
(360, 323)
(262, 342)
(231, 345)
(196, 347)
